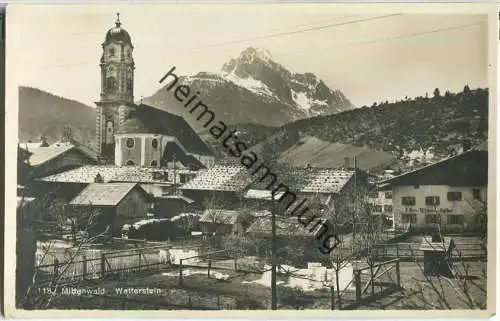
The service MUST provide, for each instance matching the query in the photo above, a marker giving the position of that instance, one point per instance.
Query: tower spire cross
(118, 23)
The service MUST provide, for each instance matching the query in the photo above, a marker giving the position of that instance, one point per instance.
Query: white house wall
(444, 209)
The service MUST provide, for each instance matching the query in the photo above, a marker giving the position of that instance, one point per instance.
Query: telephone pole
(274, 298)
(175, 174)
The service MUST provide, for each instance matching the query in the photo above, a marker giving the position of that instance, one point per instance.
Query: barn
(110, 204)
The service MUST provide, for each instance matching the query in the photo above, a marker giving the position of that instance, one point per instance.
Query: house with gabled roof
(45, 160)
(290, 233)
(111, 204)
(216, 221)
(448, 195)
(226, 183)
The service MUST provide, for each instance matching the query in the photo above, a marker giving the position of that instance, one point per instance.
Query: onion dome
(117, 33)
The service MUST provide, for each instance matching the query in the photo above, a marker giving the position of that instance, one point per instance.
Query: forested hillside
(436, 125)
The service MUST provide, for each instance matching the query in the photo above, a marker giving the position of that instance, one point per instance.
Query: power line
(288, 33)
(310, 23)
(95, 62)
(362, 43)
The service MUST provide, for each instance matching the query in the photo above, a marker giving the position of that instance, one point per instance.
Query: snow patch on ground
(177, 254)
(187, 272)
(313, 278)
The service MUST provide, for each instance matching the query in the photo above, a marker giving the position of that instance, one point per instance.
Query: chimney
(346, 162)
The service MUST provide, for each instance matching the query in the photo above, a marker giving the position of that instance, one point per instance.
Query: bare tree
(465, 288)
(33, 299)
(187, 222)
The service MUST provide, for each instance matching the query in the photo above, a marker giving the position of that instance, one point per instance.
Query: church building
(130, 134)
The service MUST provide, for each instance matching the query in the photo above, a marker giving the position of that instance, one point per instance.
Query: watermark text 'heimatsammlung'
(249, 159)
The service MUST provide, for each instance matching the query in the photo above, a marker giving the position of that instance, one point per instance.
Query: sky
(368, 55)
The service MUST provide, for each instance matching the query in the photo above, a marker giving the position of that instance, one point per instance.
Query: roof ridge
(431, 165)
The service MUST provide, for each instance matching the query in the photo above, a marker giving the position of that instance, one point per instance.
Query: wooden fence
(412, 252)
(86, 264)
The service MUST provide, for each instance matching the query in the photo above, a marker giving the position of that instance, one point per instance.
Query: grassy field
(320, 153)
(199, 293)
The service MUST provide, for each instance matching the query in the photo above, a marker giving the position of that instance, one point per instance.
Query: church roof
(145, 119)
(136, 126)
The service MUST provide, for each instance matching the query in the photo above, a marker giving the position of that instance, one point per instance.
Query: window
(388, 195)
(388, 208)
(184, 178)
(432, 219)
(408, 200)
(409, 218)
(476, 193)
(166, 190)
(377, 208)
(454, 196)
(111, 84)
(130, 142)
(130, 163)
(111, 52)
(455, 219)
(432, 200)
(373, 195)
(154, 163)
(154, 143)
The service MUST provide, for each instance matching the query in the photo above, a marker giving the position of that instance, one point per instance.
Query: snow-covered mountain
(253, 88)
(255, 70)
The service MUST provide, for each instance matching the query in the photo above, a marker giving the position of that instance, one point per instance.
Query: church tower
(117, 88)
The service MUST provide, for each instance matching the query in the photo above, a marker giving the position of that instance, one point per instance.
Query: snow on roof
(140, 223)
(178, 197)
(236, 178)
(262, 194)
(40, 155)
(220, 178)
(111, 173)
(104, 194)
(177, 217)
